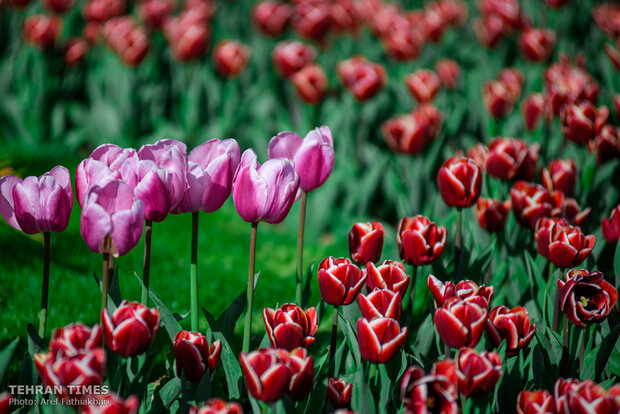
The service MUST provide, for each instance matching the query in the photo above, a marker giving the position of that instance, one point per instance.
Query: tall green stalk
(332, 346)
(247, 331)
(193, 274)
(45, 285)
(300, 248)
(146, 265)
(458, 240)
(105, 280)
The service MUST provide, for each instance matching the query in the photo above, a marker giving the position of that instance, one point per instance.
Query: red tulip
(566, 84)
(310, 83)
(533, 110)
(193, 354)
(366, 242)
(110, 404)
(74, 339)
(477, 374)
(556, 4)
(530, 202)
(581, 122)
(42, 31)
(513, 326)
(606, 144)
(74, 51)
(217, 406)
(585, 297)
(460, 182)
(5, 402)
(613, 54)
(536, 45)
(346, 16)
(389, 275)
(566, 246)
(560, 393)
(611, 226)
(128, 40)
(434, 24)
(380, 339)
(449, 72)
(508, 10)
(312, 20)
(513, 79)
(301, 366)
(266, 373)
(100, 11)
(489, 30)
(464, 289)
(383, 17)
(230, 58)
(58, 6)
(403, 42)
(420, 241)
(131, 329)
(461, 322)
(568, 209)
(290, 56)
(433, 116)
(560, 175)
(290, 327)
(154, 13)
(188, 35)
(510, 158)
(498, 98)
(339, 392)
(535, 402)
(364, 79)
(381, 303)
(432, 393)
(272, 17)
(18, 4)
(340, 281)
(492, 214)
(408, 133)
(478, 153)
(588, 397)
(423, 84)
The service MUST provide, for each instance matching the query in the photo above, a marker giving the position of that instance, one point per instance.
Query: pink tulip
(264, 192)
(313, 156)
(37, 205)
(112, 219)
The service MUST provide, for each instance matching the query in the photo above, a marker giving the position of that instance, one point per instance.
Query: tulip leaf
(351, 339)
(305, 296)
(606, 348)
(169, 392)
(6, 357)
(317, 398)
(617, 263)
(362, 400)
(228, 319)
(338, 358)
(114, 292)
(481, 264)
(140, 383)
(35, 343)
(170, 323)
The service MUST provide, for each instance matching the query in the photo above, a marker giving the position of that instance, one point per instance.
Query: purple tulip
(112, 155)
(264, 192)
(211, 167)
(313, 156)
(36, 205)
(112, 219)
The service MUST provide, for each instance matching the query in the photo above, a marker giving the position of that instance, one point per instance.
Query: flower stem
(45, 285)
(372, 373)
(458, 239)
(556, 305)
(193, 273)
(332, 346)
(250, 289)
(146, 266)
(582, 351)
(300, 248)
(446, 350)
(105, 280)
(414, 273)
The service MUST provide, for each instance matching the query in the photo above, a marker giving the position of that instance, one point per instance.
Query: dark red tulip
(556, 4)
(58, 6)
(403, 42)
(460, 181)
(613, 54)
(230, 58)
(408, 133)
(449, 72)
(128, 40)
(339, 392)
(266, 373)
(366, 242)
(312, 20)
(188, 35)
(606, 144)
(41, 31)
(363, 78)
(461, 322)
(5, 402)
(110, 404)
(530, 202)
(290, 327)
(513, 79)
(560, 393)
(74, 339)
(272, 17)
(154, 13)
(74, 51)
(536, 45)
(492, 214)
(477, 374)
(340, 281)
(423, 84)
(433, 116)
(611, 226)
(17, 4)
(566, 84)
(131, 329)
(510, 158)
(217, 406)
(513, 326)
(290, 56)
(390, 275)
(489, 30)
(310, 83)
(432, 393)
(588, 397)
(568, 209)
(535, 402)
(478, 153)
(508, 10)
(606, 15)
(581, 122)
(380, 339)
(498, 98)
(381, 303)
(301, 365)
(533, 110)
(346, 16)
(560, 175)
(464, 289)
(420, 240)
(585, 297)
(194, 356)
(564, 245)
(100, 11)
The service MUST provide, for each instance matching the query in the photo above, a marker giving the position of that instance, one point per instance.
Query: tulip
(568, 209)
(100, 11)
(432, 393)
(535, 402)
(477, 374)
(581, 122)
(564, 245)
(366, 242)
(403, 42)
(271, 17)
(154, 13)
(464, 289)
(449, 72)
(581, 397)
(110, 404)
(498, 98)
(188, 35)
(423, 84)
(530, 202)
(566, 84)
(380, 339)
(339, 392)
(312, 20)
(301, 365)
(510, 158)
(128, 40)
(585, 297)
(408, 133)
(266, 374)
(361, 77)
(42, 31)
(131, 329)
(291, 56)
(230, 58)
(513, 326)
(340, 281)
(533, 110)
(611, 226)
(310, 83)
(434, 24)
(536, 45)
(75, 339)
(290, 327)
(560, 175)
(74, 51)
(420, 240)
(390, 275)
(5, 402)
(193, 354)
(18, 4)
(478, 153)
(460, 182)
(217, 406)
(383, 17)
(489, 30)
(492, 214)
(461, 322)
(560, 392)
(508, 10)
(346, 16)
(606, 144)
(556, 4)
(381, 303)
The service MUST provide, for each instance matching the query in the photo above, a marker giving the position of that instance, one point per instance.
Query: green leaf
(228, 319)
(362, 400)
(6, 357)
(203, 389)
(170, 323)
(351, 339)
(606, 348)
(170, 391)
(617, 263)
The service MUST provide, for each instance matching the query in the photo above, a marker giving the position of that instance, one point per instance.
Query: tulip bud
(74, 339)
(606, 144)
(403, 43)
(361, 77)
(536, 45)
(131, 329)
(154, 13)
(217, 406)
(449, 72)
(267, 375)
(568, 209)
(128, 40)
(339, 392)
(477, 374)
(340, 281)
(188, 35)
(346, 16)
(408, 133)
(110, 404)
(312, 20)
(513, 326)
(381, 303)
(42, 31)
(560, 175)
(565, 246)
(585, 297)
(193, 354)
(581, 122)
(366, 242)
(301, 365)
(492, 214)
(461, 323)
(530, 202)
(434, 24)
(380, 339)
(534, 402)
(420, 240)
(510, 158)
(560, 393)
(464, 289)
(290, 56)
(389, 275)
(230, 58)
(513, 79)
(100, 11)
(460, 182)
(497, 98)
(310, 83)
(5, 402)
(290, 327)
(435, 392)
(533, 110)
(611, 226)
(423, 84)
(74, 51)
(384, 17)
(272, 17)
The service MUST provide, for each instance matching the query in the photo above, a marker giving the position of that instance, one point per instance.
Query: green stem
(105, 280)
(446, 350)
(458, 239)
(300, 248)
(372, 373)
(45, 285)
(332, 346)
(414, 273)
(193, 273)
(556, 305)
(146, 266)
(582, 351)
(250, 289)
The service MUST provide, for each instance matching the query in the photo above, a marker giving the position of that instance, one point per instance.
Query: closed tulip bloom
(585, 297)
(510, 158)
(272, 17)
(5, 402)
(74, 339)
(310, 83)
(581, 122)
(380, 339)
(606, 144)
(464, 289)
(217, 406)
(567, 83)
(530, 202)
(266, 374)
(380, 303)
(42, 31)
(461, 322)
(290, 327)
(460, 182)
(110, 404)
(535, 402)
(477, 374)
(432, 393)
(508, 10)
(533, 110)
(290, 56)
(211, 168)
(560, 175)
(346, 16)
(127, 39)
(17, 4)
(611, 226)
(340, 281)
(301, 365)
(564, 245)
(188, 35)
(403, 42)
(391, 275)
(193, 354)
(37, 204)
(312, 20)
(366, 242)
(433, 116)
(536, 44)
(339, 392)
(423, 84)
(312, 156)
(100, 11)
(74, 51)
(588, 396)
(230, 58)
(420, 240)
(408, 133)
(513, 326)
(561, 389)
(154, 13)
(131, 329)
(498, 98)
(363, 78)
(489, 30)
(492, 214)
(449, 72)
(112, 219)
